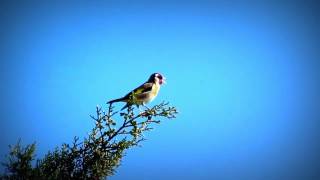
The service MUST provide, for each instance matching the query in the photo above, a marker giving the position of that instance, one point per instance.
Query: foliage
(97, 156)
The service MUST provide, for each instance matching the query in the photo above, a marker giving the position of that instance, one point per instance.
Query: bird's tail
(116, 100)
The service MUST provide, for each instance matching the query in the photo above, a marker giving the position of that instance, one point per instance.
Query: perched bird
(144, 93)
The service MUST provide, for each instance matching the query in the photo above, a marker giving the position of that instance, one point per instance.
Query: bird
(143, 94)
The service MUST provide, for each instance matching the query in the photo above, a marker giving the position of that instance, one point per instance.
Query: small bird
(144, 93)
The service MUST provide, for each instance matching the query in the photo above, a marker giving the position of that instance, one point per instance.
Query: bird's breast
(155, 89)
(154, 92)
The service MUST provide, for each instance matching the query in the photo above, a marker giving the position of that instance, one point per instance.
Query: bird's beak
(163, 81)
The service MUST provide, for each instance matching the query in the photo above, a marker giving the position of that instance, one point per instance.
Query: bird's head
(157, 78)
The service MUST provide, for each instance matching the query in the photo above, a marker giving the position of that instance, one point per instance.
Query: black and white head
(157, 78)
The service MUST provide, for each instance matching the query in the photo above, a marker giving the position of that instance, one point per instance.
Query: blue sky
(244, 77)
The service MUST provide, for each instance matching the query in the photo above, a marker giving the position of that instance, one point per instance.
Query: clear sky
(244, 77)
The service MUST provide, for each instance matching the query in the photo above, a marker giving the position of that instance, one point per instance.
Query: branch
(98, 155)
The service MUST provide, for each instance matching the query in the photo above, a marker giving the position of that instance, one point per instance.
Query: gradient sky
(243, 75)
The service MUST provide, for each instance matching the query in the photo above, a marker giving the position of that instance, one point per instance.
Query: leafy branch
(98, 155)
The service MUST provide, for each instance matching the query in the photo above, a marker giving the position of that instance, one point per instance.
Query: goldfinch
(144, 93)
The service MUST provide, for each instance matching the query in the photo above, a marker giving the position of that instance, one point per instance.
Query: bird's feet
(143, 112)
(146, 107)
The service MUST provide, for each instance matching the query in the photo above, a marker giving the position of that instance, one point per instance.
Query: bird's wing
(146, 87)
